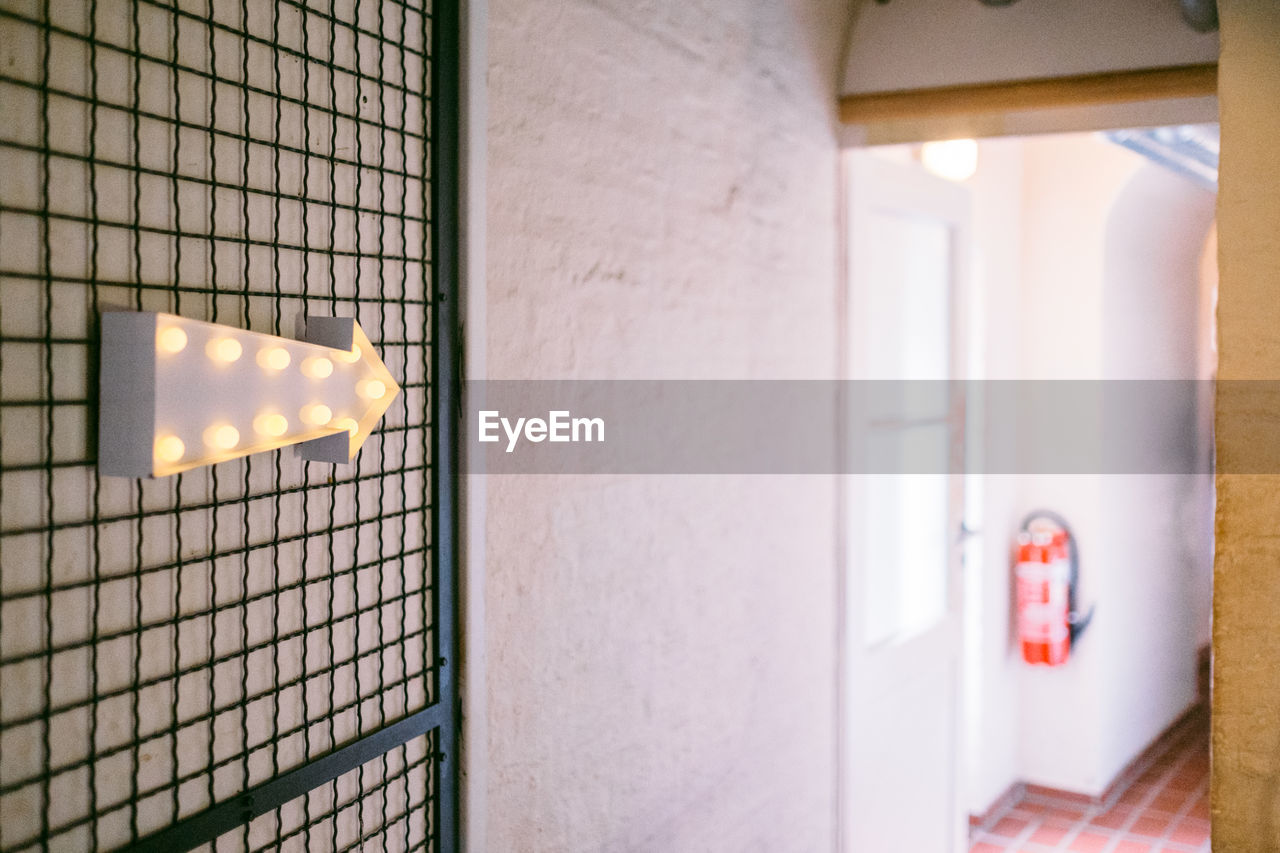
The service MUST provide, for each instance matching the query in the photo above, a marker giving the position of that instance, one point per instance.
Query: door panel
(906, 264)
(905, 556)
(907, 786)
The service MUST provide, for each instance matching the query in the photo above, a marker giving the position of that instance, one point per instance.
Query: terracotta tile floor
(1165, 809)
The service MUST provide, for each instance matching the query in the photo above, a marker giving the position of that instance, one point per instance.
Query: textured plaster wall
(928, 43)
(959, 43)
(662, 197)
(1246, 698)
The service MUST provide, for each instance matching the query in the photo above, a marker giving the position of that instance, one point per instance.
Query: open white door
(907, 259)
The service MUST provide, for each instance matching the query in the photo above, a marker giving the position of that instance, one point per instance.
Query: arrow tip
(376, 389)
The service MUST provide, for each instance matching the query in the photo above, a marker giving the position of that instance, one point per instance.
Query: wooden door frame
(1185, 94)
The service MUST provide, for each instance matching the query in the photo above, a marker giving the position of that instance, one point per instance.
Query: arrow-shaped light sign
(177, 393)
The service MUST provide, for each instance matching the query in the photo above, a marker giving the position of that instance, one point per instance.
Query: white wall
(1069, 185)
(1104, 285)
(662, 182)
(1206, 491)
(1158, 529)
(924, 43)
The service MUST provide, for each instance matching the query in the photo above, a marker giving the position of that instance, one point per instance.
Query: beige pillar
(1246, 632)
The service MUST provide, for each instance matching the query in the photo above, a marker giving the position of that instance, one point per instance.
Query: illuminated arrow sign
(177, 393)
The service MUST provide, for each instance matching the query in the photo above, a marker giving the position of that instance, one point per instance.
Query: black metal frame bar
(446, 89)
(228, 815)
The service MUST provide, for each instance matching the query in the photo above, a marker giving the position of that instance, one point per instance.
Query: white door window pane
(908, 336)
(905, 547)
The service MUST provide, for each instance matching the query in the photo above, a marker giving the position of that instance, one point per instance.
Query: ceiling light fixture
(953, 159)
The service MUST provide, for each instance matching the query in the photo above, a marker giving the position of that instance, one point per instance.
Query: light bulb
(372, 389)
(953, 159)
(222, 436)
(317, 368)
(224, 349)
(317, 414)
(274, 358)
(271, 425)
(349, 424)
(169, 448)
(171, 339)
(349, 356)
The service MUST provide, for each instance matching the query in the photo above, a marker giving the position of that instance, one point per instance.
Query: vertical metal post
(445, 208)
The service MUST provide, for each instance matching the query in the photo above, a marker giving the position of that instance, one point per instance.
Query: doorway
(1064, 287)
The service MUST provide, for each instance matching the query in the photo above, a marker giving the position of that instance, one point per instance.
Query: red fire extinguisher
(1048, 569)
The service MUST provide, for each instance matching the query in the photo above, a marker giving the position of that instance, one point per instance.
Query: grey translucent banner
(871, 427)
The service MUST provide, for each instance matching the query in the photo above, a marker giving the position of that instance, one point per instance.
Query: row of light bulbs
(223, 436)
(227, 350)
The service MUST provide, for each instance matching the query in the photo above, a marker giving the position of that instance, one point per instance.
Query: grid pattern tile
(166, 644)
